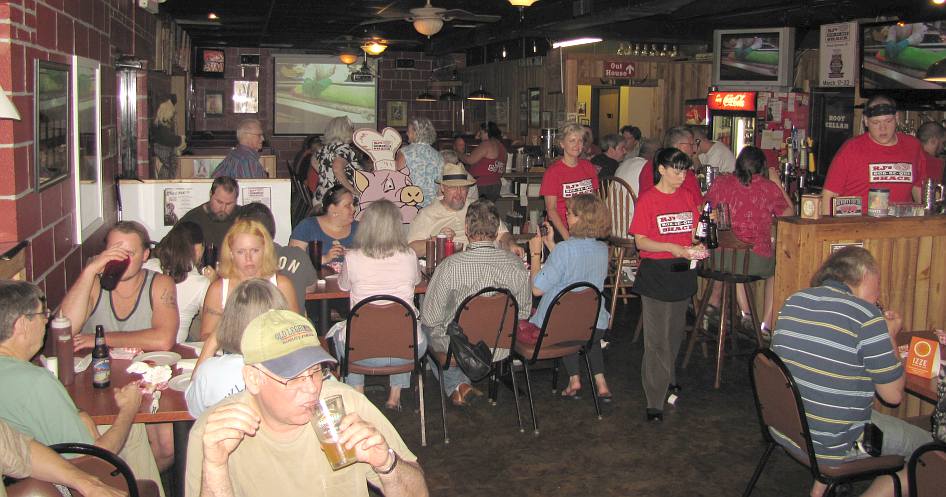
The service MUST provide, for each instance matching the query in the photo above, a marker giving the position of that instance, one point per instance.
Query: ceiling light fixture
(449, 96)
(426, 96)
(939, 2)
(522, 3)
(427, 26)
(348, 56)
(574, 42)
(212, 16)
(481, 95)
(374, 47)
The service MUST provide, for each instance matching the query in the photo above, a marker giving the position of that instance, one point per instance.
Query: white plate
(180, 382)
(159, 358)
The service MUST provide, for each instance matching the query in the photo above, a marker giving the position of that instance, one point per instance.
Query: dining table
(99, 404)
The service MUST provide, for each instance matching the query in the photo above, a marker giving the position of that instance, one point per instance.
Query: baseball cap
(284, 342)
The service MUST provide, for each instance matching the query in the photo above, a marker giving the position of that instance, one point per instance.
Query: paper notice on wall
(771, 139)
(261, 194)
(203, 168)
(175, 203)
(790, 102)
(775, 111)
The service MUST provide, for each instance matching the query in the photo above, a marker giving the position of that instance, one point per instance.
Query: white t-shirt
(216, 379)
(630, 172)
(190, 296)
(437, 216)
(721, 156)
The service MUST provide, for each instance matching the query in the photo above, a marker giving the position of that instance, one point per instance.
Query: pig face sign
(385, 182)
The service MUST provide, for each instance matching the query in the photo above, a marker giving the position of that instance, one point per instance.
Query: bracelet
(392, 466)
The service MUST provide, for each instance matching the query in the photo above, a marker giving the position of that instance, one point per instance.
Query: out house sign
(618, 69)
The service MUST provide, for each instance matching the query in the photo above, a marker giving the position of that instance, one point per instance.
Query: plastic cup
(327, 414)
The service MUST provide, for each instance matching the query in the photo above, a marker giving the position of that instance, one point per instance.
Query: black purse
(476, 361)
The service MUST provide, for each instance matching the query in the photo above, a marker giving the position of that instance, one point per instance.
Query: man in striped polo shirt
(840, 349)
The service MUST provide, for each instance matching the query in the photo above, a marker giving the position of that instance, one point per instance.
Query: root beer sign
(740, 101)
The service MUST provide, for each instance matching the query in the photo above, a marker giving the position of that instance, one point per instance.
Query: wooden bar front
(910, 252)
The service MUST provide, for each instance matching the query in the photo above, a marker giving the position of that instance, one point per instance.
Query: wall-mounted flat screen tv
(895, 57)
(756, 58)
(309, 90)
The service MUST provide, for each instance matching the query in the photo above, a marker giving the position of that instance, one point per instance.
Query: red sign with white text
(742, 101)
(618, 69)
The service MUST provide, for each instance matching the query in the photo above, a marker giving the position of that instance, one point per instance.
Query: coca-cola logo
(732, 101)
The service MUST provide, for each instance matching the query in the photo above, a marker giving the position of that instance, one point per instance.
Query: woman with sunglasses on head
(664, 225)
(333, 224)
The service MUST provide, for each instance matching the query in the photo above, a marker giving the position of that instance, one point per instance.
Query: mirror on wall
(51, 122)
(87, 146)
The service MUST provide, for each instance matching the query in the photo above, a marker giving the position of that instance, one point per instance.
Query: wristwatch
(394, 458)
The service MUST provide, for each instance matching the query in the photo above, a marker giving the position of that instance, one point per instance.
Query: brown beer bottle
(101, 362)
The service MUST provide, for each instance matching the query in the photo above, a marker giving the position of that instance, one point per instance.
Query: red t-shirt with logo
(489, 171)
(646, 180)
(563, 181)
(666, 218)
(862, 164)
(934, 168)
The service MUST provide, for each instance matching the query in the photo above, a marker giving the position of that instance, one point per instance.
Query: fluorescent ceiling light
(575, 42)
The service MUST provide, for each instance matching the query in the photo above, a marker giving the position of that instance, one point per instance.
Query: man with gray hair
(612, 152)
(932, 135)
(712, 153)
(481, 265)
(840, 348)
(681, 138)
(243, 160)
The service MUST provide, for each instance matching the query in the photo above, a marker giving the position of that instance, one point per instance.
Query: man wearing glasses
(681, 138)
(243, 160)
(713, 153)
(259, 442)
(36, 404)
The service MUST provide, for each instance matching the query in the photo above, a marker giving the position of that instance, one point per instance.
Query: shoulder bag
(476, 361)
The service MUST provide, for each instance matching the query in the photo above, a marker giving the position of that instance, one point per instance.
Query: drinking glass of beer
(327, 414)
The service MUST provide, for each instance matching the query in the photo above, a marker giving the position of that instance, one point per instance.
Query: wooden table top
(332, 291)
(100, 403)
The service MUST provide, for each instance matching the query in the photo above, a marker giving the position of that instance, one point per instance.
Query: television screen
(749, 56)
(895, 56)
(754, 58)
(310, 90)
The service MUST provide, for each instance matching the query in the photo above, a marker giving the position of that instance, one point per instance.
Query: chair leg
(515, 391)
(535, 422)
(443, 403)
(616, 289)
(758, 469)
(695, 334)
(721, 344)
(897, 491)
(423, 411)
(594, 386)
(555, 377)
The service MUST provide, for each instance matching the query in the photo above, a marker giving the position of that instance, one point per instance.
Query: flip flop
(572, 396)
(606, 398)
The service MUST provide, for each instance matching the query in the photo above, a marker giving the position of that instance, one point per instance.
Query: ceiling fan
(428, 20)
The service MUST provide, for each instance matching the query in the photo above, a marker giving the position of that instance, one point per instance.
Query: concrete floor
(708, 445)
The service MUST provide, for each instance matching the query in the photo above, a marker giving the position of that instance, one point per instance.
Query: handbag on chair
(476, 361)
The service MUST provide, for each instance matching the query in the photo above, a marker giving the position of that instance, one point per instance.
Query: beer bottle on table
(101, 363)
(702, 227)
(712, 235)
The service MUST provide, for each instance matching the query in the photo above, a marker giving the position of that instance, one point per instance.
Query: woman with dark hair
(487, 162)
(583, 257)
(178, 256)
(664, 225)
(333, 224)
(754, 201)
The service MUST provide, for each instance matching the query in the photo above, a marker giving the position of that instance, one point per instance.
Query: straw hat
(455, 175)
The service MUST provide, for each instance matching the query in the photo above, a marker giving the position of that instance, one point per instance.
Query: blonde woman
(246, 252)
(569, 176)
(337, 159)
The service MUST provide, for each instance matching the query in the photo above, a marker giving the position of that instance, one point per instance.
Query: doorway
(606, 109)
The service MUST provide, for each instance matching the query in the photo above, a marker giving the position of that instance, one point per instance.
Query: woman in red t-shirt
(567, 177)
(754, 202)
(487, 162)
(663, 227)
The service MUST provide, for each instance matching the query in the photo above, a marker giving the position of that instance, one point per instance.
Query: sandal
(571, 394)
(393, 407)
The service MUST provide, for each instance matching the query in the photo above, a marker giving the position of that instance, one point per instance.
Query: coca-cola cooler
(732, 117)
(779, 113)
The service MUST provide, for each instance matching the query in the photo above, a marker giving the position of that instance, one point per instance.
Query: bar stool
(721, 266)
(620, 199)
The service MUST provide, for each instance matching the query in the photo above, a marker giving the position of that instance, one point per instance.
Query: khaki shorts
(763, 267)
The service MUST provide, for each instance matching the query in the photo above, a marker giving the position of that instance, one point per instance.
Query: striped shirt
(836, 347)
(463, 274)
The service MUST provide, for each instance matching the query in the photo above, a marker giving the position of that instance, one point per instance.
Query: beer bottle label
(701, 230)
(101, 371)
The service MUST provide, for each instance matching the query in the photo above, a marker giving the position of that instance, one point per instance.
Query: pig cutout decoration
(385, 182)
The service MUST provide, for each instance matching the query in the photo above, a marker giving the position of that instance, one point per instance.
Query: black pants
(595, 357)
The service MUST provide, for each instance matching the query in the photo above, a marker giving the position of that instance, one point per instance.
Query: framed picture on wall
(245, 97)
(210, 62)
(213, 103)
(397, 113)
(51, 123)
(523, 112)
(535, 107)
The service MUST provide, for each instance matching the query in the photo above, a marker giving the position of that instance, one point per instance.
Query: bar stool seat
(722, 266)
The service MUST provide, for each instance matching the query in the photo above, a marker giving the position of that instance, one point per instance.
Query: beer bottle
(712, 236)
(702, 227)
(101, 363)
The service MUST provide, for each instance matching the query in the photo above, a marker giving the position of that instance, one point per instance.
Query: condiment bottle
(61, 332)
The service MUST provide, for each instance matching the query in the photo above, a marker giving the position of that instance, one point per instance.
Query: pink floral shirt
(752, 208)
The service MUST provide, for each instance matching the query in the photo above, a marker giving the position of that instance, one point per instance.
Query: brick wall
(393, 84)
(55, 30)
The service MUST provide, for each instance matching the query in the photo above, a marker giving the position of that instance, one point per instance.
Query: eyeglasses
(46, 313)
(299, 381)
(698, 142)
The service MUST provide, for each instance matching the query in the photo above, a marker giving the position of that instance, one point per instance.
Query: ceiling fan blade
(370, 22)
(465, 15)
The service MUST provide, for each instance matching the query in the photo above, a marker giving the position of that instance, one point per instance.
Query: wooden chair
(385, 326)
(301, 200)
(722, 266)
(620, 199)
(568, 328)
(108, 467)
(780, 407)
(479, 316)
(927, 470)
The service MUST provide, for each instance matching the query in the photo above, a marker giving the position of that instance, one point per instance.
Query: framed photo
(397, 113)
(213, 103)
(245, 97)
(211, 62)
(51, 123)
(535, 107)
